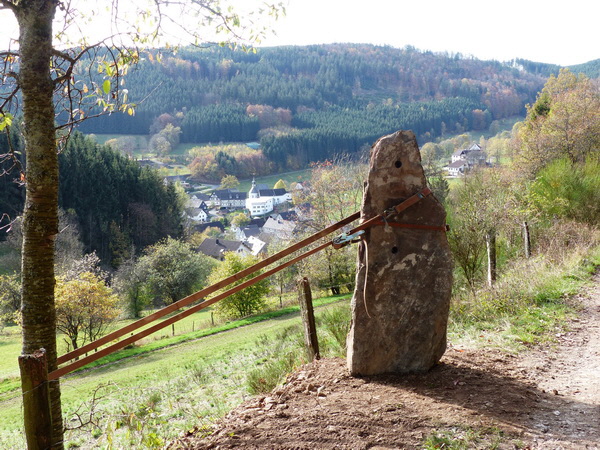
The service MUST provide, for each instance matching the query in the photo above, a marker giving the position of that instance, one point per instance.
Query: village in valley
(266, 214)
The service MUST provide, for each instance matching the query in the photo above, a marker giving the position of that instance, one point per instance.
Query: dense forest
(119, 207)
(318, 94)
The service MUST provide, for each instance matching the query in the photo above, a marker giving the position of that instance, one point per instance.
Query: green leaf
(5, 120)
(106, 86)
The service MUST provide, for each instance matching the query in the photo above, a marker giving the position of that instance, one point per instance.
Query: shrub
(527, 302)
(568, 190)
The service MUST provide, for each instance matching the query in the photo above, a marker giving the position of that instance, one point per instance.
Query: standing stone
(404, 275)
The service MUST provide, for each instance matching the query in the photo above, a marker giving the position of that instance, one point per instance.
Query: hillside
(475, 398)
(320, 100)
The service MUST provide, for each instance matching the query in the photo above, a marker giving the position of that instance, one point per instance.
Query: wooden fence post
(526, 239)
(308, 319)
(36, 400)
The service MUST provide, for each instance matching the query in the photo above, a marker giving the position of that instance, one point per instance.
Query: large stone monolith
(404, 275)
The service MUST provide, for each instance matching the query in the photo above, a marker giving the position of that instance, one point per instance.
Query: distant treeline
(212, 88)
(322, 134)
(590, 69)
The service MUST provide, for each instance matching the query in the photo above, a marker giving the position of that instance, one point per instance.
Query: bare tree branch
(90, 413)
(6, 4)
(8, 99)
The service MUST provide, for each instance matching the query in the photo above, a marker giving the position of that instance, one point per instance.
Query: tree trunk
(74, 343)
(490, 241)
(526, 239)
(40, 217)
(36, 400)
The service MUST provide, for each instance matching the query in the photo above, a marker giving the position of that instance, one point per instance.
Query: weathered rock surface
(404, 275)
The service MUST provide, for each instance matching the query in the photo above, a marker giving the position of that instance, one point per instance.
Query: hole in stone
(394, 249)
(398, 164)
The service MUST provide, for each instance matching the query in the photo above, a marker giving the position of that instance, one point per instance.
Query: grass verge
(528, 305)
(463, 438)
(280, 354)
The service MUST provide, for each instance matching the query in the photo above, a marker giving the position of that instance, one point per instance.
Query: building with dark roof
(244, 233)
(229, 198)
(272, 192)
(465, 159)
(290, 215)
(216, 248)
(283, 229)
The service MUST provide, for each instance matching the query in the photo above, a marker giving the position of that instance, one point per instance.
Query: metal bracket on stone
(345, 239)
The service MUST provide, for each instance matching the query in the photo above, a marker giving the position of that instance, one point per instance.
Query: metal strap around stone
(357, 233)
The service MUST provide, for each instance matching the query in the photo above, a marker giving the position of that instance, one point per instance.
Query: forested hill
(590, 69)
(331, 97)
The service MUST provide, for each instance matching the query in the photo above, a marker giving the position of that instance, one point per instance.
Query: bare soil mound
(545, 398)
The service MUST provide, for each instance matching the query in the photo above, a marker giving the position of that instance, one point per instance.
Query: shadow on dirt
(490, 388)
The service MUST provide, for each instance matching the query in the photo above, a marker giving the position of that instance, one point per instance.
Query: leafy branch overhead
(88, 72)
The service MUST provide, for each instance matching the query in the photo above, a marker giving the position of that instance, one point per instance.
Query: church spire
(253, 193)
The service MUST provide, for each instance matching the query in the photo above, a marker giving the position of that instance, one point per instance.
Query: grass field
(215, 365)
(270, 180)
(183, 148)
(194, 326)
(452, 182)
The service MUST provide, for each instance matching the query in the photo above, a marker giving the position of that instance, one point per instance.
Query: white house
(196, 214)
(262, 201)
(457, 168)
(278, 195)
(465, 159)
(257, 246)
(197, 210)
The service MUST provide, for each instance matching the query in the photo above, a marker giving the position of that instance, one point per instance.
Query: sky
(563, 33)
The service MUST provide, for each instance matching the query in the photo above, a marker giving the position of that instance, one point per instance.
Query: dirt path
(571, 371)
(548, 398)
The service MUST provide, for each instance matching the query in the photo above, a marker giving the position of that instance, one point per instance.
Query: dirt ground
(546, 398)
